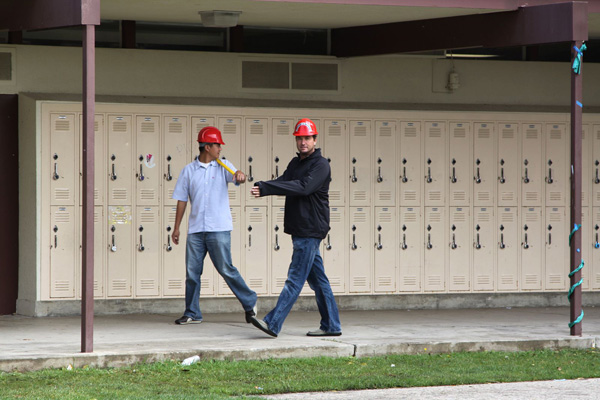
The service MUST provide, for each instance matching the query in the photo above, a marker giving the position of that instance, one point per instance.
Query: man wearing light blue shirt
(204, 182)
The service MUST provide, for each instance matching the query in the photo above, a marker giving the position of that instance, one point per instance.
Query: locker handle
(328, 245)
(429, 180)
(477, 244)
(354, 246)
(502, 245)
(453, 244)
(404, 246)
(168, 175)
(55, 176)
(549, 238)
(354, 178)
(277, 171)
(141, 176)
(379, 177)
(276, 248)
(379, 246)
(250, 177)
(56, 238)
(597, 180)
(141, 246)
(404, 178)
(597, 244)
(501, 178)
(249, 240)
(477, 177)
(169, 247)
(526, 177)
(113, 247)
(429, 245)
(453, 177)
(525, 244)
(113, 176)
(549, 179)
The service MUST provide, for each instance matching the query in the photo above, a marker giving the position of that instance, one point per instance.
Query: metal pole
(87, 276)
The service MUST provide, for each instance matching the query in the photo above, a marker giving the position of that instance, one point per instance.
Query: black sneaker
(321, 332)
(187, 320)
(250, 314)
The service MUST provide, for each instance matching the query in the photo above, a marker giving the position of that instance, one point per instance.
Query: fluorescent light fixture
(219, 18)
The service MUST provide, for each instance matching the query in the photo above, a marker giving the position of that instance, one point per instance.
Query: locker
(361, 265)
(334, 141)
(531, 165)
(256, 245)
(586, 168)
(231, 130)
(460, 163)
(556, 165)
(595, 258)
(508, 249)
(360, 163)
(410, 164)
(281, 251)
(119, 261)
(385, 250)
(175, 155)
(120, 160)
(147, 156)
(484, 248)
(587, 241)
(284, 149)
(64, 159)
(508, 164)
(557, 250)
(459, 261)
(63, 252)
(484, 155)
(257, 159)
(531, 249)
(410, 259)
(335, 250)
(435, 163)
(596, 165)
(99, 252)
(385, 163)
(173, 256)
(211, 275)
(148, 251)
(99, 168)
(435, 249)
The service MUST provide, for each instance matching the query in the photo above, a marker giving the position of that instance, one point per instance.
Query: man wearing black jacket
(305, 183)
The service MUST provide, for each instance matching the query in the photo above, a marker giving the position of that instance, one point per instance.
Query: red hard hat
(305, 127)
(210, 134)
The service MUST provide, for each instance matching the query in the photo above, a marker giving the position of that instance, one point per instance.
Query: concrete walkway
(35, 343)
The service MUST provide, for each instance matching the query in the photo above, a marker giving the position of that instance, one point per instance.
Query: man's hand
(175, 235)
(239, 177)
(255, 191)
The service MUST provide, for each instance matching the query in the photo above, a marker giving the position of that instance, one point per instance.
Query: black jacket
(305, 183)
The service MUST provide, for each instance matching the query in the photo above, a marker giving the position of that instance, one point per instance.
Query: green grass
(223, 379)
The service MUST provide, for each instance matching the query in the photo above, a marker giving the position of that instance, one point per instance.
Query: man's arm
(178, 217)
(311, 182)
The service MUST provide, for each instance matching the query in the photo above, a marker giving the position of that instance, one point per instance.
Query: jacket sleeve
(311, 182)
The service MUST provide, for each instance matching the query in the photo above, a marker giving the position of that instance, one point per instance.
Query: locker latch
(169, 247)
(429, 245)
(250, 177)
(379, 177)
(141, 176)
(276, 248)
(525, 244)
(502, 245)
(168, 175)
(379, 246)
(549, 179)
(477, 244)
(354, 178)
(428, 177)
(55, 229)
(353, 246)
(141, 245)
(276, 175)
(597, 180)
(477, 177)
(453, 243)
(404, 177)
(328, 245)
(249, 236)
(55, 176)
(526, 177)
(453, 177)
(403, 246)
(501, 177)
(113, 176)
(597, 244)
(113, 246)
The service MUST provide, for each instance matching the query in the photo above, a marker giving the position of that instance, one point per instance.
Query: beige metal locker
(531, 165)
(484, 160)
(120, 160)
(435, 249)
(556, 165)
(410, 164)
(360, 163)
(63, 252)
(173, 256)
(411, 249)
(435, 163)
(210, 273)
(360, 263)
(284, 149)
(64, 159)
(256, 244)
(557, 249)
(459, 260)
(596, 165)
(99, 253)
(586, 167)
(257, 156)
(147, 164)
(508, 169)
(460, 163)
(175, 155)
(587, 243)
(335, 250)
(119, 261)
(281, 251)
(231, 129)
(385, 163)
(595, 258)
(385, 269)
(99, 159)
(148, 251)
(334, 141)
(484, 249)
(507, 258)
(531, 248)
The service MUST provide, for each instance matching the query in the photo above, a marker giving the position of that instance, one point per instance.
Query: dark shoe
(262, 325)
(321, 332)
(250, 314)
(187, 320)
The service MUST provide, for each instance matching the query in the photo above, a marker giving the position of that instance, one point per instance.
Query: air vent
(291, 76)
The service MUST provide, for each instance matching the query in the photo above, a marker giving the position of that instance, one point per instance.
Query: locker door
(63, 252)
(119, 271)
(335, 250)
(556, 165)
(385, 163)
(484, 178)
(99, 252)
(596, 165)
(284, 149)
(556, 249)
(231, 128)
(176, 154)
(147, 156)
(586, 247)
(360, 163)
(211, 274)
(531, 165)
(385, 250)
(435, 249)
(411, 225)
(120, 160)
(531, 249)
(147, 260)
(281, 251)
(99, 174)
(257, 159)
(64, 159)
(334, 141)
(484, 245)
(459, 261)
(508, 249)
(508, 164)
(595, 258)
(173, 256)
(460, 163)
(586, 167)
(410, 164)
(256, 243)
(435, 163)
(361, 266)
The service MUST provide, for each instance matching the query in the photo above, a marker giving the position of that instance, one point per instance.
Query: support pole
(89, 105)
(576, 126)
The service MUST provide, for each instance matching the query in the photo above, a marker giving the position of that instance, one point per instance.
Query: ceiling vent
(290, 76)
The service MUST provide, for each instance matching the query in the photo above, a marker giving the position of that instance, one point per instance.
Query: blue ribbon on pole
(572, 288)
(578, 58)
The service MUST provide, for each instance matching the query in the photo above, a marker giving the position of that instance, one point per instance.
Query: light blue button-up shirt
(206, 188)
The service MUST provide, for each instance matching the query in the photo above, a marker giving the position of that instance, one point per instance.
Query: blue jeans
(218, 246)
(307, 265)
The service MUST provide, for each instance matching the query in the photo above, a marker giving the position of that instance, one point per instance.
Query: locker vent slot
(459, 280)
(201, 125)
(385, 217)
(555, 196)
(62, 125)
(119, 194)
(483, 217)
(283, 130)
(411, 195)
(360, 195)
(147, 194)
(507, 280)
(171, 215)
(483, 196)
(255, 217)
(410, 132)
(385, 131)
(554, 217)
(483, 133)
(336, 217)
(531, 217)
(460, 133)
(233, 195)
(410, 280)
(360, 131)
(234, 218)
(62, 194)
(531, 196)
(147, 284)
(62, 286)
(230, 129)
(62, 217)
(360, 217)
(360, 281)
(531, 279)
(385, 195)
(507, 196)
(335, 195)
(459, 217)
(96, 217)
(435, 217)
(96, 286)
(434, 280)
(170, 193)
(205, 283)
(255, 282)
(96, 126)
(176, 127)
(335, 130)
(147, 216)
(459, 195)
(483, 280)
(335, 281)
(280, 282)
(257, 129)
(148, 127)
(175, 284)
(119, 126)
(119, 285)
(385, 281)
(555, 134)
(598, 135)
(597, 196)
(435, 195)
(96, 194)
(554, 279)
(597, 279)
(435, 132)
(531, 134)
(279, 217)
(507, 217)
(508, 133)
(410, 217)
